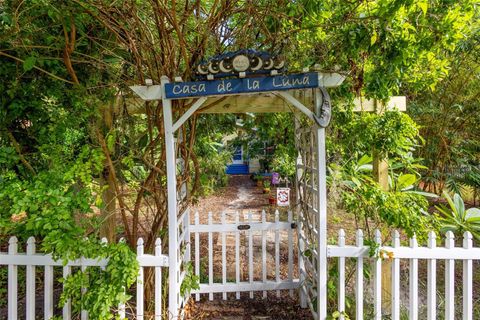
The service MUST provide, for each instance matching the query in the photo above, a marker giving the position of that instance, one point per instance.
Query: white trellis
(312, 218)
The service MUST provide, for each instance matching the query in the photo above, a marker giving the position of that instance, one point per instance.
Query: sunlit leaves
(386, 45)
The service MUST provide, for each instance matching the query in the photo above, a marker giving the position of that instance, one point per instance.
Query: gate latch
(243, 227)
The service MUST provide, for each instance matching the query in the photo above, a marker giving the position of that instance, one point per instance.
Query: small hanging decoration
(283, 197)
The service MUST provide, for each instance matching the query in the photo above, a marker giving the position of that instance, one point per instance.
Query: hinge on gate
(293, 225)
(243, 227)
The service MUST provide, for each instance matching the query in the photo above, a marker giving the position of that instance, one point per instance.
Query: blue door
(237, 166)
(238, 155)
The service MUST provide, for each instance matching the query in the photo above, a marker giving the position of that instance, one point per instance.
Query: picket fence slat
(359, 279)
(197, 253)
(467, 279)
(290, 250)
(413, 282)
(432, 280)
(121, 309)
(158, 282)
(237, 254)
(224, 257)
(449, 279)
(341, 276)
(48, 292)
(250, 254)
(377, 278)
(140, 302)
(277, 252)
(396, 279)
(264, 254)
(12, 280)
(210, 256)
(67, 307)
(30, 279)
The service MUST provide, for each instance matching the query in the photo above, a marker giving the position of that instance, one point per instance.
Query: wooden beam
(269, 103)
(371, 105)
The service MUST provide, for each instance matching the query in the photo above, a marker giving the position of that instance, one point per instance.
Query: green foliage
(383, 44)
(212, 172)
(54, 207)
(190, 282)
(457, 219)
(283, 162)
(390, 133)
(402, 207)
(401, 210)
(338, 314)
(211, 154)
(449, 119)
(106, 288)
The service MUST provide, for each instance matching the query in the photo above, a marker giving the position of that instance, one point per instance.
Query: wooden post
(173, 294)
(380, 173)
(109, 221)
(380, 170)
(322, 215)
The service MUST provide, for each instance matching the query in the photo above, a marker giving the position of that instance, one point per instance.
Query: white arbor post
(173, 303)
(322, 213)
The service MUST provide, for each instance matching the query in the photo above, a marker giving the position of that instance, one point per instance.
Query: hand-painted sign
(179, 90)
(283, 197)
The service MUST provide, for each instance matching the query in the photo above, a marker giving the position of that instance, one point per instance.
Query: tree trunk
(109, 209)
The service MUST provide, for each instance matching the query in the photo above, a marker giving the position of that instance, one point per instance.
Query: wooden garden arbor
(305, 93)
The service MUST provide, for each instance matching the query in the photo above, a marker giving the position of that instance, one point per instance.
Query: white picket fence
(31, 260)
(248, 231)
(449, 253)
(244, 233)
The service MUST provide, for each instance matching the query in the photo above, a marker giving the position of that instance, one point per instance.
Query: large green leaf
(405, 181)
(459, 205)
(473, 214)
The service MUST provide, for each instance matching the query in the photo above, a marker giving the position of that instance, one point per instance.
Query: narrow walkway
(240, 195)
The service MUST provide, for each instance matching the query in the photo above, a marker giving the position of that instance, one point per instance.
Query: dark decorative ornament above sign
(250, 62)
